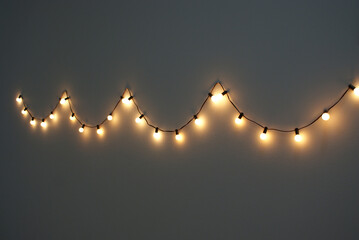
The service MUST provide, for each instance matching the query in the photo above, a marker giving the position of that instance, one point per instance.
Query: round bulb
(81, 129)
(52, 116)
(72, 117)
(356, 91)
(19, 99)
(178, 137)
(298, 138)
(156, 135)
(138, 120)
(263, 136)
(43, 124)
(24, 111)
(217, 97)
(99, 131)
(238, 120)
(62, 101)
(109, 117)
(33, 122)
(198, 121)
(325, 116)
(126, 101)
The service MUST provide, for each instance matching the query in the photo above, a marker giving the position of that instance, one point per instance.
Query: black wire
(188, 122)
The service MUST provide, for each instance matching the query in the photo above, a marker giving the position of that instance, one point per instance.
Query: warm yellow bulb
(217, 97)
(81, 129)
(356, 91)
(109, 117)
(263, 136)
(138, 120)
(126, 100)
(238, 120)
(19, 99)
(99, 131)
(325, 116)
(33, 122)
(178, 137)
(198, 121)
(72, 117)
(156, 135)
(62, 101)
(24, 111)
(43, 124)
(52, 116)
(298, 138)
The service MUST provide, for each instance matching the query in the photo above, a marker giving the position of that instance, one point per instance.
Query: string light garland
(178, 136)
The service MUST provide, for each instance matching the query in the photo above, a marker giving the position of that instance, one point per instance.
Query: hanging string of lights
(128, 98)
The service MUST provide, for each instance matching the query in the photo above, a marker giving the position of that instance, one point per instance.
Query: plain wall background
(283, 62)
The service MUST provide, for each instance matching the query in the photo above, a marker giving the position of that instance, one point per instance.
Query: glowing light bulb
(62, 100)
(19, 99)
(99, 130)
(24, 111)
(217, 97)
(109, 117)
(325, 116)
(197, 121)
(263, 135)
(239, 119)
(355, 89)
(72, 117)
(127, 100)
(33, 121)
(178, 135)
(82, 128)
(139, 119)
(297, 136)
(52, 116)
(43, 123)
(156, 134)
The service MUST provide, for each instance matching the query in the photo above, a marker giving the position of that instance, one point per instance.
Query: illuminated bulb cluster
(157, 131)
(217, 97)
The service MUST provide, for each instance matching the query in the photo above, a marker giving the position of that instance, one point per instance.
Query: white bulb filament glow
(325, 116)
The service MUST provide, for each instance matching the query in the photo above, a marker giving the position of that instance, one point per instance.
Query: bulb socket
(296, 131)
(351, 86)
(265, 130)
(141, 116)
(130, 97)
(176, 131)
(210, 94)
(224, 92)
(241, 115)
(195, 117)
(156, 130)
(98, 126)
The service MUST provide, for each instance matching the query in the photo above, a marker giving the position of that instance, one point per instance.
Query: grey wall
(283, 62)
